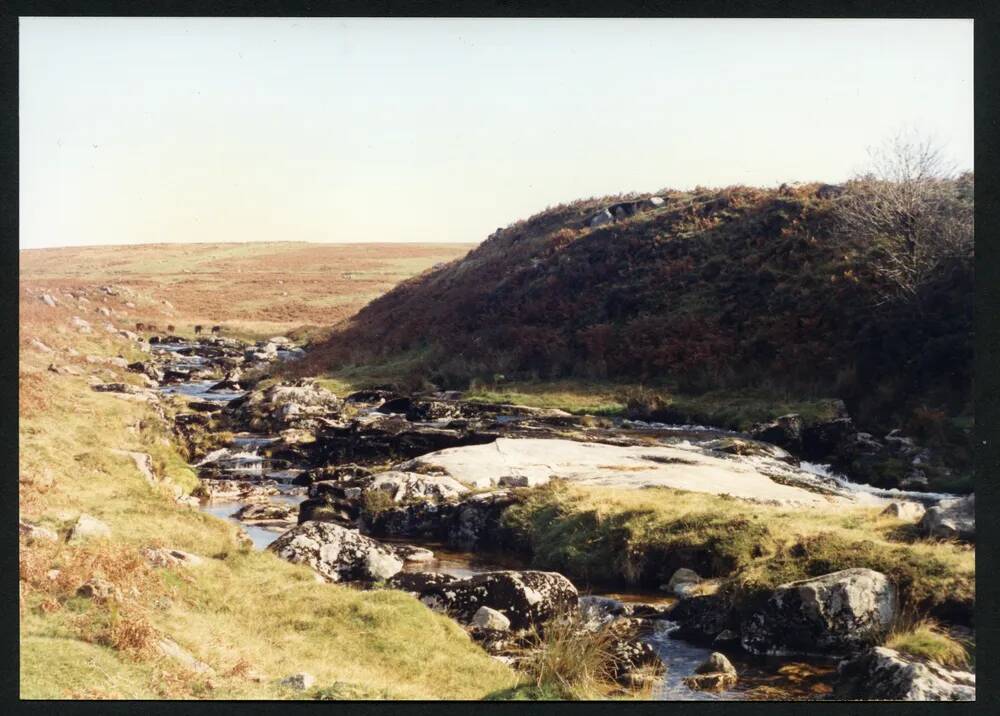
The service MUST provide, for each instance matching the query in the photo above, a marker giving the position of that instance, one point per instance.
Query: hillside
(735, 289)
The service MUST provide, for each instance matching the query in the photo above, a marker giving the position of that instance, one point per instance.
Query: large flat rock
(531, 461)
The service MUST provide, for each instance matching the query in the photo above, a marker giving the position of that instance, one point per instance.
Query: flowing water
(759, 677)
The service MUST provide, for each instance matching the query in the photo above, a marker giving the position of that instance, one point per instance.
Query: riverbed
(760, 677)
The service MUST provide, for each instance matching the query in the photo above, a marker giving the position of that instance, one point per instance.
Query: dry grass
(926, 639)
(252, 617)
(252, 289)
(572, 661)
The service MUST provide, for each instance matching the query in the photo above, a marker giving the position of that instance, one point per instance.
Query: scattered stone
(81, 325)
(338, 553)
(840, 612)
(715, 674)
(909, 511)
(175, 651)
(299, 682)
(885, 674)
(96, 588)
(38, 345)
(35, 533)
(88, 527)
(487, 618)
(163, 557)
(951, 519)
(48, 300)
(683, 582)
(118, 388)
(227, 490)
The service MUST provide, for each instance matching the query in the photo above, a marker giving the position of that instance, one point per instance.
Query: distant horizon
(472, 242)
(139, 131)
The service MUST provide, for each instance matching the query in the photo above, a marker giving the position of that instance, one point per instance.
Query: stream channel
(771, 677)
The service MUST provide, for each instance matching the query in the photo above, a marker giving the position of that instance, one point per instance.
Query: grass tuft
(925, 639)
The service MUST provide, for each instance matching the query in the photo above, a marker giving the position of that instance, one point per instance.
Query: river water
(768, 678)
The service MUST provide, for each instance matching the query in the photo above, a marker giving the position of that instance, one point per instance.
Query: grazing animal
(151, 327)
(216, 330)
(197, 330)
(170, 329)
(140, 327)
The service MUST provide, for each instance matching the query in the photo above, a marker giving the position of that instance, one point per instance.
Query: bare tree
(911, 206)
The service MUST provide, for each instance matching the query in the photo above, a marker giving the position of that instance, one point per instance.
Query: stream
(784, 678)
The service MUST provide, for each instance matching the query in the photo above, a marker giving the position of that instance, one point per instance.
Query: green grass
(572, 396)
(602, 535)
(732, 409)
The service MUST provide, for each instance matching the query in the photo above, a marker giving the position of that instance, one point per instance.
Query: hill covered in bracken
(737, 288)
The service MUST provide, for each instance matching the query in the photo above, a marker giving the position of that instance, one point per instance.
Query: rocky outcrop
(951, 519)
(376, 437)
(784, 431)
(885, 674)
(841, 612)
(410, 486)
(282, 406)
(525, 598)
(337, 553)
(701, 619)
(468, 524)
(527, 462)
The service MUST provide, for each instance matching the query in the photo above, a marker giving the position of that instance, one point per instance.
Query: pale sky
(137, 130)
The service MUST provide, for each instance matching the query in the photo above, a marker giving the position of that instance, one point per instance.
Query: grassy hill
(741, 290)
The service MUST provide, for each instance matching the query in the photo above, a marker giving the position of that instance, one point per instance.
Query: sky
(137, 130)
